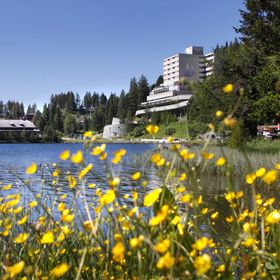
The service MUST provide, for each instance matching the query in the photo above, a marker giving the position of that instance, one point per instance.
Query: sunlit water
(14, 158)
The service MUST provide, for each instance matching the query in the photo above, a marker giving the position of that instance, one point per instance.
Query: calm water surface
(14, 158)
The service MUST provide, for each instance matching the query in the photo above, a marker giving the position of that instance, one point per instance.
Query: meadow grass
(170, 232)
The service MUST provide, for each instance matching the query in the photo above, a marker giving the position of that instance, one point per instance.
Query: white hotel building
(191, 66)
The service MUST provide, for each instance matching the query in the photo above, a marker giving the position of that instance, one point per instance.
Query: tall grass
(172, 231)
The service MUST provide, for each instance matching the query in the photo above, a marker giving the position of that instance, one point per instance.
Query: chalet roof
(16, 124)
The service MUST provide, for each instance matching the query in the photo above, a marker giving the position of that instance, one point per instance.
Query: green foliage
(170, 131)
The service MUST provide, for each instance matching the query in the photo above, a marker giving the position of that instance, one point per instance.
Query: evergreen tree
(121, 111)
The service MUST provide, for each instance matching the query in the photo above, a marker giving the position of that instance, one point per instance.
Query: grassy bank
(170, 231)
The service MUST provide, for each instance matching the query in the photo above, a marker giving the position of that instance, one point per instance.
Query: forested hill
(69, 113)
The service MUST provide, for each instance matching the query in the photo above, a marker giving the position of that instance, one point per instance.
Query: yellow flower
(270, 177)
(160, 217)
(186, 155)
(15, 269)
(108, 197)
(215, 215)
(180, 228)
(220, 161)
(120, 153)
(250, 178)
(135, 242)
(182, 177)
(60, 270)
(114, 182)
(228, 88)
(118, 252)
(136, 176)
(162, 246)
(72, 181)
(77, 158)
(22, 237)
(260, 172)
(202, 264)
(32, 204)
(201, 244)
(61, 206)
(84, 171)
(47, 238)
(23, 220)
(273, 217)
(175, 220)
(166, 261)
(31, 169)
(88, 134)
(221, 268)
(230, 122)
(96, 151)
(207, 156)
(67, 217)
(249, 242)
(229, 219)
(7, 187)
(65, 155)
(186, 198)
(156, 159)
(152, 197)
(219, 114)
(152, 129)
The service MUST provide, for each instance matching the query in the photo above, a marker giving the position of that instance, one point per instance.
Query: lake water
(14, 158)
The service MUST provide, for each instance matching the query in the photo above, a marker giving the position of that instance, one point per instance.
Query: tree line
(252, 64)
(68, 114)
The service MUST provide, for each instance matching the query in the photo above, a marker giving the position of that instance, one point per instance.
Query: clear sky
(52, 46)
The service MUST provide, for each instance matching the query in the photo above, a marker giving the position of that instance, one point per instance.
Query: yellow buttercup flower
(72, 181)
(118, 252)
(47, 238)
(182, 177)
(220, 161)
(273, 217)
(152, 197)
(31, 169)
(230, 122)
(84, 171)
(88, 134)
(250, 178)
(207, 156)
(22, 237)
(167, 261)
(114, 182)
(160, 217)
(135, 242)
(219, 114)
(60, 270)
(136, 176)
(201, 244)
(270, 177)
(162, 246)
(186, 155)
(32, 204)
(15, 269)
(152, 129)
(260, 172)
(23, 220)
(202, 264)
(96, 151)
(228, 88)
(77, 158)
(65, 155)
(108, 197)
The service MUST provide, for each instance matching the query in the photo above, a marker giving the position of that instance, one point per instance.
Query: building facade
(179, 71)
(17, 127)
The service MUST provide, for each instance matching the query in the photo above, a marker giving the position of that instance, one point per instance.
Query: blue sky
(52, 46)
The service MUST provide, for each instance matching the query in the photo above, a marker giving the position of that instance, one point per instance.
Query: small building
(8, 127)
(114, 130)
